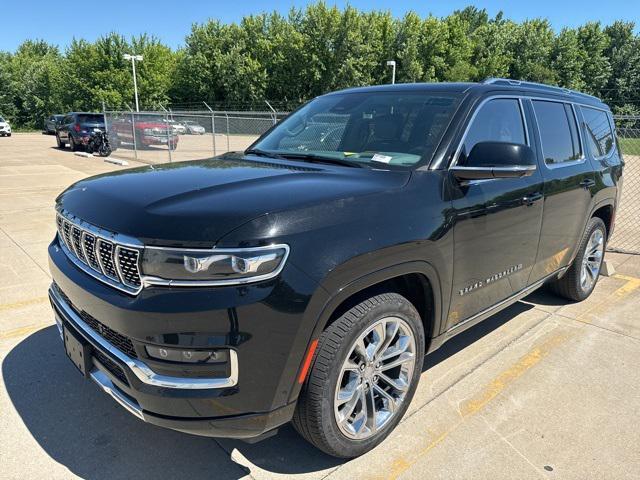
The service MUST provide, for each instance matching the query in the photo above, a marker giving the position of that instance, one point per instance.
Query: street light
(392, 64)
(133, 59)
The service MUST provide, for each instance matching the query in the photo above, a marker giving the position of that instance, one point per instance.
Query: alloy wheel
(592, 260)
(375, 377)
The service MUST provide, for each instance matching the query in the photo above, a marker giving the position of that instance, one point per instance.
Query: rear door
(497, 221)
(569, 183)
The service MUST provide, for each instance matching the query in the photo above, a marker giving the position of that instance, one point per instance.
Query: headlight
(214, 266)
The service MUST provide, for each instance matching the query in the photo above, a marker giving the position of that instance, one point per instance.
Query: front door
(497, 221)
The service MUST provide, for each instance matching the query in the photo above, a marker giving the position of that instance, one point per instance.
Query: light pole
(133, 59)
(392, 64)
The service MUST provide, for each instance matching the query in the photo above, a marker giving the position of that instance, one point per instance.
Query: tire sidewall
(593, 225)
(350, 447)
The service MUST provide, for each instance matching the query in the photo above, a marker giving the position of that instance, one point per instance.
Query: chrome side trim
(496, 307)
(108, 387)
(140, 369)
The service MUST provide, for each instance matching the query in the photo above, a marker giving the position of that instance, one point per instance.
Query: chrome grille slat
(105, 254)
(76, 238)
(101, 254)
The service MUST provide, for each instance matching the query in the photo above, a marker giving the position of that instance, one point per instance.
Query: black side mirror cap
(497, 160)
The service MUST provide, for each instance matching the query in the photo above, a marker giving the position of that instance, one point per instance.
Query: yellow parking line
(23, 303)
(632, 284)
(22, 331)
(483, 398)
(502, 381)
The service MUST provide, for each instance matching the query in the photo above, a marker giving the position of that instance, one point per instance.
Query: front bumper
(261, 324)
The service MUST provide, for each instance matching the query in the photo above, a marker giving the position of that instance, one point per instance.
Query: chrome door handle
(587, 183)
(531, 199)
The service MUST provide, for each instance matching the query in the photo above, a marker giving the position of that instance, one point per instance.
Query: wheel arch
(340, 299)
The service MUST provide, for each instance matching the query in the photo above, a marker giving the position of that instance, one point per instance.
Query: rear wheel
(363, 376)
(72, 144)
(582, 276)
(59, 142)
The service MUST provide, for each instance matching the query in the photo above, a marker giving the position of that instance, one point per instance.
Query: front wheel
(582, 276)
(363, 376)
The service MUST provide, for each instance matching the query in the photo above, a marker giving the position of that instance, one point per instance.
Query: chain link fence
(626, 236)
(173, 136)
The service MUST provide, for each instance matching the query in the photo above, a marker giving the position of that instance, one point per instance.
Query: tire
(586, 265)
(72, 144)
(59, 142)
(317, 411)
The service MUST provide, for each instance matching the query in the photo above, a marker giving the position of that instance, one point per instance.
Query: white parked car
(193, 127)
(5, 128)
(177, 127)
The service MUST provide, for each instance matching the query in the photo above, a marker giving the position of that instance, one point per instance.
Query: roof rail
(540, 86)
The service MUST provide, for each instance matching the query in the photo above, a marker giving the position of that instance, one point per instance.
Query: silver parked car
(193, 127)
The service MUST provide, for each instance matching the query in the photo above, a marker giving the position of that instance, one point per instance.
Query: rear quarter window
(598, 131)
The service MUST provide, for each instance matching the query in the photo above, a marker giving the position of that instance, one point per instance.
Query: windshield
(394, 128)
(1, 119)
(91, 118)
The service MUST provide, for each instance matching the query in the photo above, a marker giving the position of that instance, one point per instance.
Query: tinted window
(558, 132)
(90, 118)
(397, 128)
(498, 120)
(1, 119)
(599, 133)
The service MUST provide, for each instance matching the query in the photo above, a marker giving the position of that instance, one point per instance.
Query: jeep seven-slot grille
(109, 259)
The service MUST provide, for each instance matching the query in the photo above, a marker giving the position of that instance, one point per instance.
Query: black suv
(305, 278)
(76, 129)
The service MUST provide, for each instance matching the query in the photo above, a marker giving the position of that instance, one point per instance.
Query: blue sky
(171, 20)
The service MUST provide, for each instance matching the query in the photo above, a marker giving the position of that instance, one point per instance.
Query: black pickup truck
(305, 278)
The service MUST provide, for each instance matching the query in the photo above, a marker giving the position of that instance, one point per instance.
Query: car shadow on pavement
(85, 430)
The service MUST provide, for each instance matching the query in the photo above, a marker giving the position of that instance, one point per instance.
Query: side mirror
(497, 160)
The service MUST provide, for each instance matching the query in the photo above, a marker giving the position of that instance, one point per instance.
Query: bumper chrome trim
(108, 387)
(140, 369)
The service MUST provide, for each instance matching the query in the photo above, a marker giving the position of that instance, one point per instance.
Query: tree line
(292, 58)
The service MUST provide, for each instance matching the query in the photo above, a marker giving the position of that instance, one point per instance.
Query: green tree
(567, 60)
(531, 48)
(596, 68)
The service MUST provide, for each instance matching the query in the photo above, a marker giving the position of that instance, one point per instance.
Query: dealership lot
(544, 389)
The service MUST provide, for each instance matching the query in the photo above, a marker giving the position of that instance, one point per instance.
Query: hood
(197, 203)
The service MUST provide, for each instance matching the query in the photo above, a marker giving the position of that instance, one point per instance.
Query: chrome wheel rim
(375, 378)
(592, 260)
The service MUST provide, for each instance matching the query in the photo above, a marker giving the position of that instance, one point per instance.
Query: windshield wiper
(261, 153)
(313, 158)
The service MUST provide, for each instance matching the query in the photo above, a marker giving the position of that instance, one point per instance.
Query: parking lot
(544, 389)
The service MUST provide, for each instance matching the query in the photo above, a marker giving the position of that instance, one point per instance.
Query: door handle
(531, 199)
(587, 183)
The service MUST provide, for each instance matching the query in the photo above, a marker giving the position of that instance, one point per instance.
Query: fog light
(187, 356)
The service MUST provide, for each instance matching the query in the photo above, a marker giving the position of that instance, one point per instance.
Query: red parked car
(149, 130)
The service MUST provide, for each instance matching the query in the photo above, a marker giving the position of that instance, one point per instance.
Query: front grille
(120, 264)
(110, 365)
(118, 340)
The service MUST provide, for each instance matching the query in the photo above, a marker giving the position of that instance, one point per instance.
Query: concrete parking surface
(544, 389)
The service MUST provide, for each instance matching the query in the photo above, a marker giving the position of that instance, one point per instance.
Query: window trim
(456, 155)
(577, 161)
(612, 129)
